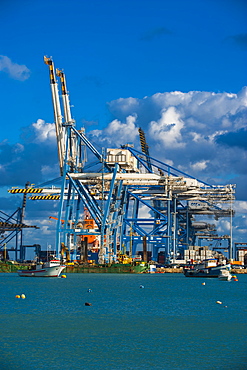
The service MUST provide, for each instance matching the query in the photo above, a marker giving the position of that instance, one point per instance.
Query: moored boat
(52, 268)
(225, 275)
(207, 268)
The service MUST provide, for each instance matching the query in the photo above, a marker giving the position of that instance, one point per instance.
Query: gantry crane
(71, 163)
(115, 195)
(11, 228)
(130, 208)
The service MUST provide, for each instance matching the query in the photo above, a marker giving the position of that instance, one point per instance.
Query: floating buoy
(89, 290)
(17, 296)
(219, 302)
(203, 283)
(235, 279)
(63, 276)
(88, 304)
(23, 296)
(141, 286)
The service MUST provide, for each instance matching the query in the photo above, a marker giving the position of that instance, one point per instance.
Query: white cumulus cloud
(199, 166)
(202, 133)
(44, 131)
(33, 159)
(122, 132)
(14, 70)
(168, 128)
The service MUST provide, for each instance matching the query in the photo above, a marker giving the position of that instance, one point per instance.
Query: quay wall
(9, 267)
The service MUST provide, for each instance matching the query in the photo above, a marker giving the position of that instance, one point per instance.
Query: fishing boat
(207, 268)
(225, 275)
(51, 268)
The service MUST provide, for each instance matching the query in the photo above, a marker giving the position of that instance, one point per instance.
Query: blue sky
(123, 62)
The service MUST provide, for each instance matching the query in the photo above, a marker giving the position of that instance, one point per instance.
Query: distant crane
(11, 227)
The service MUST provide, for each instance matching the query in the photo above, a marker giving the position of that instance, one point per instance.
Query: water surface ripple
(172, 323)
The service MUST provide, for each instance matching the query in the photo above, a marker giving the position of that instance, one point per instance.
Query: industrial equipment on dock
(134, 201)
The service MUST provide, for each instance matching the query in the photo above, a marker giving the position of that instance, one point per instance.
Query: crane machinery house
(123, 157)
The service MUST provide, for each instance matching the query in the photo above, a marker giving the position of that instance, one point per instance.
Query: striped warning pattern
(62, 79)
(144, 145)
(14, 226)
(27, 190)
(49, 62)
(45, 197)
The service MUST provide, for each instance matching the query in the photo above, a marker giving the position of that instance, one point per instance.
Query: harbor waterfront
(107, 268)
(134, 321)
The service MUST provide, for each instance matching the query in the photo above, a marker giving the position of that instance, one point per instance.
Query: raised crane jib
(73, 144)
(69, 140)
(57, 113)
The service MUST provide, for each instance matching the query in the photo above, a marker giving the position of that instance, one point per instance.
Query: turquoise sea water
(172, 323)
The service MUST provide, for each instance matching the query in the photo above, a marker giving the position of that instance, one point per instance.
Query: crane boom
(73, 148)
(70, 141)
(65, 97)
(57, 113)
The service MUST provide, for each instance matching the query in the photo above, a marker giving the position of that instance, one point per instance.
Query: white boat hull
(206, 272)
(225, 275)
(53, 271)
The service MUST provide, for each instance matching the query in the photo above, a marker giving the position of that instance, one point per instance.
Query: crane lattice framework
(132, 198)
(181, 199)
(11, 228)
(170, 200)
(117, 195)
